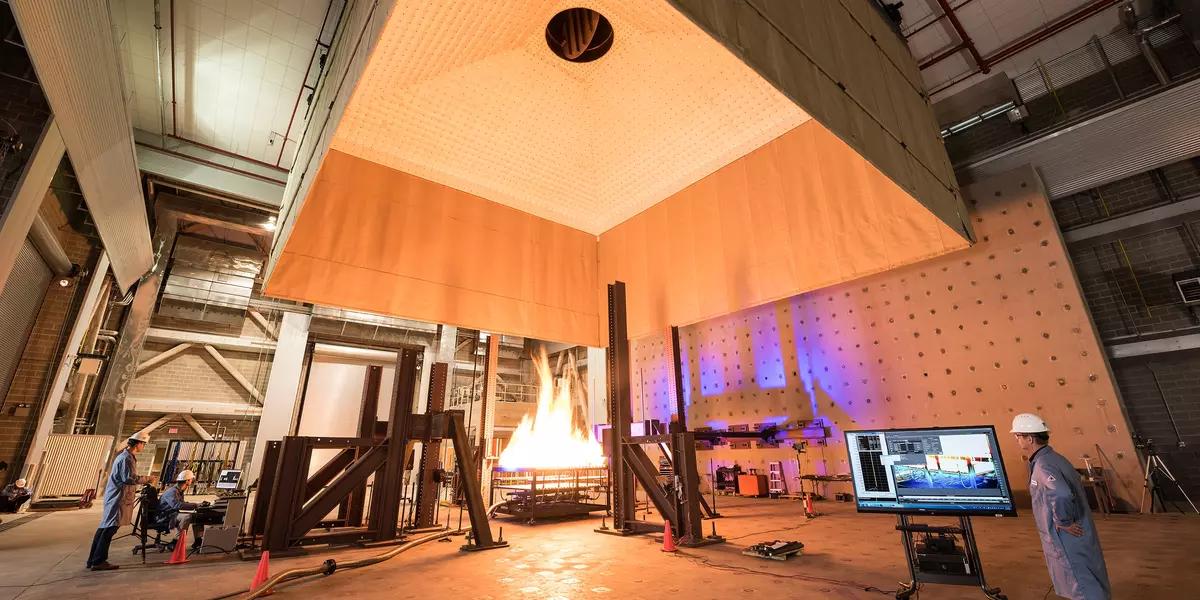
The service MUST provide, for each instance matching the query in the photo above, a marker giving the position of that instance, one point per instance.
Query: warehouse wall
(1161, 394)
(195, 375)
(19, 410)
(1127, 279)
(967, 338)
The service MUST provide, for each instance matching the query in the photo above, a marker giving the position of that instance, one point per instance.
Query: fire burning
(555, 437)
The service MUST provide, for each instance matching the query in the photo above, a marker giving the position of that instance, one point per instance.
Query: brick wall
(1127, 281)
(21, 407)
(1179, 380)
(196, 375)
(1123, 305)
(229, 428)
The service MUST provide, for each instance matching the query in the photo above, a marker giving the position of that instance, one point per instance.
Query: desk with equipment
(222, 520)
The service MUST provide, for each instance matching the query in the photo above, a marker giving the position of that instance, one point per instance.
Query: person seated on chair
(171, 502)
(14, 495)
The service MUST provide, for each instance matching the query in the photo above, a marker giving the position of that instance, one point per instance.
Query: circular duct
(579, 35)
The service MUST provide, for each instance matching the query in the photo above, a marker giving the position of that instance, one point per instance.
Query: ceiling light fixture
(270, 224)
(579, 35)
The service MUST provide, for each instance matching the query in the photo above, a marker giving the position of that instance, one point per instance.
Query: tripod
(1155, 470)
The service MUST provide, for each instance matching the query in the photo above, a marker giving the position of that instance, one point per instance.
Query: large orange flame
(553, 438)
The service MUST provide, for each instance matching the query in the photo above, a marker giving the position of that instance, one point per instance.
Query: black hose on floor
(331, 566)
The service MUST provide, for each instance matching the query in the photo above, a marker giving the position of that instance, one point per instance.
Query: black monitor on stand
(938, 471)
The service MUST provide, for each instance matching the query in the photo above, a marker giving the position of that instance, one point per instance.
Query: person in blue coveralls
(119, 495)
(1064, 520)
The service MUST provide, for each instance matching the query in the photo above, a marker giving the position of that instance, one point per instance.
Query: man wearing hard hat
(119, 495)
(1064, 520)
(171, 502)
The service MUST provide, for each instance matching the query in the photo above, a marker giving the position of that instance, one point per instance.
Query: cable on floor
(738, 569)
(331, 566)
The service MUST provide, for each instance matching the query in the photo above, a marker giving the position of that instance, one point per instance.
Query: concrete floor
(846, 556)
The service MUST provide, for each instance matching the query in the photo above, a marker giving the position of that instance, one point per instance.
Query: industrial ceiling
(482, 106)
(720, 155)
(997, 35)
(233, 72)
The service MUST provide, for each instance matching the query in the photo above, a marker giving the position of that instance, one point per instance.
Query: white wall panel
(72, 48)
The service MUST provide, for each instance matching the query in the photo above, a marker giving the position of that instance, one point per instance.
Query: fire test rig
(679, 501)
(292, 505)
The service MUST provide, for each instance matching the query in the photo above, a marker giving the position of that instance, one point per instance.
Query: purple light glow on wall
(769, 370)
(712, 369)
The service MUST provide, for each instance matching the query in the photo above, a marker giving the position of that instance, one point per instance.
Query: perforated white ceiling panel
(467, 94)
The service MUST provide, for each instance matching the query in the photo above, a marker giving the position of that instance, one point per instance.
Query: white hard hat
(1029, 423)
(20, 483)
(185, 475)
(140, 436)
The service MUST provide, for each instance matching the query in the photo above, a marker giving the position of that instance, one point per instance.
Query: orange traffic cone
(809, 511)
(179, 556)
(668, 539)
(261, 576)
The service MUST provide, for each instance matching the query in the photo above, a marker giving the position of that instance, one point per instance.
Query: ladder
(775, 483)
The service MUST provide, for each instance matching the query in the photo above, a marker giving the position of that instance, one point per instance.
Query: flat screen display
(936, 471)
(229, 479)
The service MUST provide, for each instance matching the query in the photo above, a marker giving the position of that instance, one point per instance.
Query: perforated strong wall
(972, 337)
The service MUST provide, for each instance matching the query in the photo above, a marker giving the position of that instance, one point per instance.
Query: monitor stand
(941, 560)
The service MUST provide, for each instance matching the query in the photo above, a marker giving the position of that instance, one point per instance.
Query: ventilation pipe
(162, 101)
(47, 244)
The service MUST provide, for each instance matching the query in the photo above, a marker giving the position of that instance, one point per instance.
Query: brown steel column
(487, 410)
(366, 429)
(620, 478)
(389, 480)
(427, 489)
(677, 364)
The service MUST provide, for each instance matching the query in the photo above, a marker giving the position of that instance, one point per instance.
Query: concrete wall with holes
(969, 338)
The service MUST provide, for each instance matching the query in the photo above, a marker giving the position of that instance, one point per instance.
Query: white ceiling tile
(238, 9)
(254, 66)
(299, 58)
(236, 32)
(232, 56)
(285, 26)
(293, 79)
(258, 41)
(274, 72)
(217, 6)
(187, 14)
(283, 113)
(314, 11)
(212, 23)
(306, 34)
(279, 50)
(262, 16)
(291, 7)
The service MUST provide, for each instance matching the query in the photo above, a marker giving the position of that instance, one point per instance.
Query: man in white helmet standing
(119, 495)
(1064, 520)
(171, 502)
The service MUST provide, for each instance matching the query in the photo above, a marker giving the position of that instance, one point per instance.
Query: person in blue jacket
(119, 494)
(1064, 520)
(170, 505)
